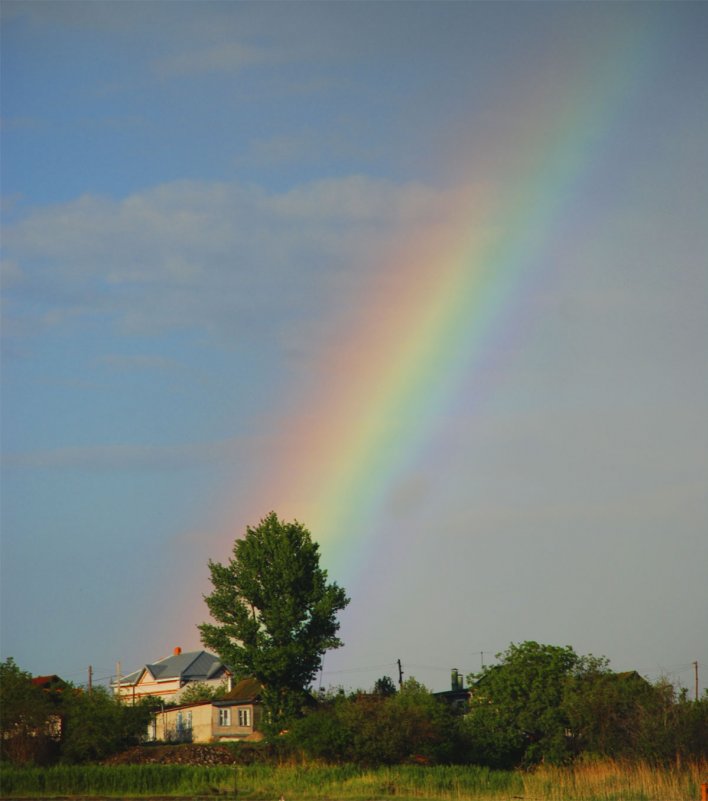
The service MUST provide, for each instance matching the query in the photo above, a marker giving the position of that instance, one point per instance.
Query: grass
(607, 780)
(598, 781)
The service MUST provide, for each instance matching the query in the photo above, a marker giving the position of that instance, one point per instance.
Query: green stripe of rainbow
(441, 301)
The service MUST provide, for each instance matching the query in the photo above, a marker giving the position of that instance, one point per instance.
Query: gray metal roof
(190, 666)
(131, 678)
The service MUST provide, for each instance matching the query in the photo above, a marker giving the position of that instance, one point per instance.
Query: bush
(374, 729)
(97, 725)
(28, 717)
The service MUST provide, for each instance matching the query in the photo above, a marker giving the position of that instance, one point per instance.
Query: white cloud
(210, 256)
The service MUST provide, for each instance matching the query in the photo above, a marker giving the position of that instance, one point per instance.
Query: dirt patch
(192, 754)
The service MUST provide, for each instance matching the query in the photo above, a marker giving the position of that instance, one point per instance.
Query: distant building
(237, 716)
(168, 677)
(457, 696)
(50, 683)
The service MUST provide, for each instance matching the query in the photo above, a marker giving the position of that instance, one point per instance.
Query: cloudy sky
(429, 277)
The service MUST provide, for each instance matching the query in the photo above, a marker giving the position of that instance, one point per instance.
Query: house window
(244, 717)
(224, 717)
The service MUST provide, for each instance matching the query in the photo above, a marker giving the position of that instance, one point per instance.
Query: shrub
(375, 729)
(97, 725)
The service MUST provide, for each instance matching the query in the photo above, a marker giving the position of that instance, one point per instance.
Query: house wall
(169, 690)
(201, 723)
(235, 730)
(189, 723)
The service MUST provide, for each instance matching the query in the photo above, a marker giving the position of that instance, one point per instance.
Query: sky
(430, 278)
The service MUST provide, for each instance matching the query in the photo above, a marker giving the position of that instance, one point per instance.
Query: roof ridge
(156, 668)
(189, 665)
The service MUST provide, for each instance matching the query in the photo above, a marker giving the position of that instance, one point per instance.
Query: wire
(428, 667)
(359, 670)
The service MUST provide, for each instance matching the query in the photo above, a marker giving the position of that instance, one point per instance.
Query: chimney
(177, 651)
(454, 679)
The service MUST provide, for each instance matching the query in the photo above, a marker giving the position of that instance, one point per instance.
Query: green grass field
(599, 781)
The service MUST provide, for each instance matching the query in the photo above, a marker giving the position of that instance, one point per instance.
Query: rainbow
(440, 303)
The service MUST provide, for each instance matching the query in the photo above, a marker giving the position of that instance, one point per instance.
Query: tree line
(274, 615)
(537, 704)
(547, 703)
(59, 721)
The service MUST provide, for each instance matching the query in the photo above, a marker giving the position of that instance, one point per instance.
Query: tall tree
(516, 711)
(276, 613)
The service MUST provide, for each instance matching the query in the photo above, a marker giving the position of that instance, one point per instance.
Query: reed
(591, 781)
(109, 781)
(610, 780)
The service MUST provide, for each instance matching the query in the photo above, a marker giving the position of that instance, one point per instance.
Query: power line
(359, 669)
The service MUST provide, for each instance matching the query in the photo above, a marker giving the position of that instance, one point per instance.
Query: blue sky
(196, 198)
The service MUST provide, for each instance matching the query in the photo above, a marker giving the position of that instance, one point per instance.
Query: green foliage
(384, 686)
(691, 728)
(276, 613)
(322, 733)
(63, 721)
(622, 715)
(516, 712)
(606, 711)
(671, 727)
(114, 780)
(261, 781)
(96, 725)
(25, 716)
(376, 729)
(199, 691)
(545, 703)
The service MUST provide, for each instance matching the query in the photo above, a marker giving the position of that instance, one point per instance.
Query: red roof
(45, 682)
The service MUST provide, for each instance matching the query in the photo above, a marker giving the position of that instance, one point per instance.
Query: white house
(168, 677)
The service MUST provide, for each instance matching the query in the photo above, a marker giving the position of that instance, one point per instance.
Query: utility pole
(118, 680)
(695, 675)
(90, 679)
(400, 674)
